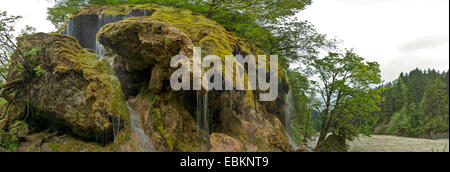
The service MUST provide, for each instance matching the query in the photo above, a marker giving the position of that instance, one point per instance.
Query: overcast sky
(400, 34)
(34, 13)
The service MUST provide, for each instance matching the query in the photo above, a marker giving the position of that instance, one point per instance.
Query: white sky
(34, 13)
(399, 34)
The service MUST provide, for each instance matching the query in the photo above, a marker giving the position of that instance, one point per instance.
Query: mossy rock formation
(140, 50)
(60, 85)
(75, 91)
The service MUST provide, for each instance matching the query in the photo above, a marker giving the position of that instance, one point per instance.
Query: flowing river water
(382, 143)
(379, 143)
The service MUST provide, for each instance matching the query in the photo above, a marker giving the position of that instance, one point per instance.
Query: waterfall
(206, 117)
(136, 126)
(203, 130)
(199, 118)
(288, 117)
(85, 28)
(291, 141)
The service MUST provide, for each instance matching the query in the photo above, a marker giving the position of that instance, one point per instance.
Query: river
(379, 143)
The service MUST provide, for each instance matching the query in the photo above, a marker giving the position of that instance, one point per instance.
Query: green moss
(39, 71)
(94, 69)
(118, 105)
(61, 69)
(333, 143)
(159, 124)
(70, 144)
(108, 68)
(19, 129)
(32, 53)
(2, 101)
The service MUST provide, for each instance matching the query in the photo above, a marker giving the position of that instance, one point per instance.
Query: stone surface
(65, 87)
(224, 143)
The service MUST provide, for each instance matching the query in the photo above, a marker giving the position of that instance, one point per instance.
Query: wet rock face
(68, 89)
(85, 27)
(82, 29)
(224, 143)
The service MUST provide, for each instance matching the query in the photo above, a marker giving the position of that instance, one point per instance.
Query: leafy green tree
(435, 106)
(348, 100)
(299, 102)
(416, 104)
(7, 44)
(401, 122)
(399, 95)
(62, 10)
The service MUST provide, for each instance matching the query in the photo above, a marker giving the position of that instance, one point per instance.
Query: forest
(415, 105)
(335, 95)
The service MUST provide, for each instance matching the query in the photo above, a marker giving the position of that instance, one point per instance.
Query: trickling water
(85, 28)
(206, 117)
(199, 118)
(115, 121)
(288, 117)
(136, 126)
(203, 130)
(102, 21)
(291, 141)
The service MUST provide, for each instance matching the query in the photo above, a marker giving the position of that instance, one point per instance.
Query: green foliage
(28, 30)
(7, 46)
(32, 53)
(348, 99)
(416, 104)
(62, 10)
(8, 141)
(39, 71)
(2, 102)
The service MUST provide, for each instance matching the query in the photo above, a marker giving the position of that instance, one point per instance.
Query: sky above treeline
(399, 34)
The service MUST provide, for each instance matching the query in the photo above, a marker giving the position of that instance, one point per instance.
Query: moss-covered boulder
(60, 85)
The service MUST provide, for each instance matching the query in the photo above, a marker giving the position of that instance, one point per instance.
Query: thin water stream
(136, 126)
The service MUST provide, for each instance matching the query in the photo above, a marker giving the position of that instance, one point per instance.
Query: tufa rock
(61, 85)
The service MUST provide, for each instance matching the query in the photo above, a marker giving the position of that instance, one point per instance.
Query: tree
(416, 104)
(7, 46)
(435, 106)
(344, 85)
(399, 93)
(59, 14)
(267, 11)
